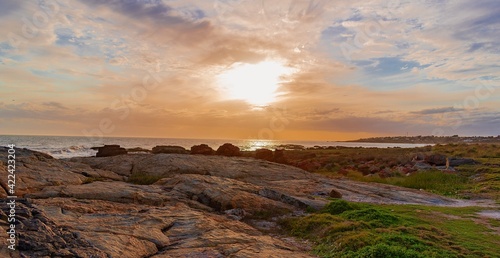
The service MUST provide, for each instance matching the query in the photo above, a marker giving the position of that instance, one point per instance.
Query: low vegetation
(451, 185)
(344, 229)
(395, 166)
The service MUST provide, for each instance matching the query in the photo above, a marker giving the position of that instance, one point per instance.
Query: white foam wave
(69, 152)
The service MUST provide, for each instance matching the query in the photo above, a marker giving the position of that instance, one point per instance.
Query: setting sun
(256, 84)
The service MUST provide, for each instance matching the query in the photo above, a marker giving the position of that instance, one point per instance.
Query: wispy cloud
(432, 111)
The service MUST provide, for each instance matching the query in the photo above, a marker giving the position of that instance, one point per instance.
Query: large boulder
(455, 161)
(110, 150)
(169, 149)
(138, 150)
(202, 149)
(422, 166)
(279, 156)
(229, 150)
(264, 154)
(436, 159)
(335, 194)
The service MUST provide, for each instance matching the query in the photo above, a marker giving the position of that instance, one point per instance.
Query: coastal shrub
(383, 250)
(310, 226)
(338, 207)
(374, 217)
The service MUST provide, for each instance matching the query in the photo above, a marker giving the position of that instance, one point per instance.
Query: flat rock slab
(312, 189)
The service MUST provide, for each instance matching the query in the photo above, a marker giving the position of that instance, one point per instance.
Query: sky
(250, 69)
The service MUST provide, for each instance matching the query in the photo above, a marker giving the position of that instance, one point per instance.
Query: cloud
(407, 60)
(55, 105)
(433, 111)
(7, 7)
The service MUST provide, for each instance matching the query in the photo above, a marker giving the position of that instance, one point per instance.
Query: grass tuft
(369, 230)
(338, 206)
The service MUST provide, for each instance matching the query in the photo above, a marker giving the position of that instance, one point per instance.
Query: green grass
(345, 229)
(485, 178)
(494, 223)
(433, 181)
(468, 150)
(436, 182)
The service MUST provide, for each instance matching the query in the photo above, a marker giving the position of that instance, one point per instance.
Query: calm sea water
(73, 146)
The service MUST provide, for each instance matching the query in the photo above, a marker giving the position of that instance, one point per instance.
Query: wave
(74, 146)
(69, 152)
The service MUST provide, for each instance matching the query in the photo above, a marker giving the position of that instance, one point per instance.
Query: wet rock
(169, 149)
(279, 156)
(202, 149)
(138, 150)
(110, 150)
(229, 150)
(264, 154)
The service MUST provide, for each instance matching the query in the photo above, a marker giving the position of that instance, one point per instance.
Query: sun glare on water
(256, 84)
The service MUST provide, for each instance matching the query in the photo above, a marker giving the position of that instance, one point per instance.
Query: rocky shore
(192, 206)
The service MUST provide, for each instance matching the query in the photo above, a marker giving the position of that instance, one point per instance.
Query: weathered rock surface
(35, 171)
(287, 180)
(84, 207)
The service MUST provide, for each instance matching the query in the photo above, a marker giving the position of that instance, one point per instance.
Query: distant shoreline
(431, 139)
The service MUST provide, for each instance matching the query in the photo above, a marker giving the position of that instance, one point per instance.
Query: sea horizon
(80, 146)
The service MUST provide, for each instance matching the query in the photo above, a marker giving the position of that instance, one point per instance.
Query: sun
(256, 84)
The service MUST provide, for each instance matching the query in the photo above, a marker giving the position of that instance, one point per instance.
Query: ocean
(74, 146)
